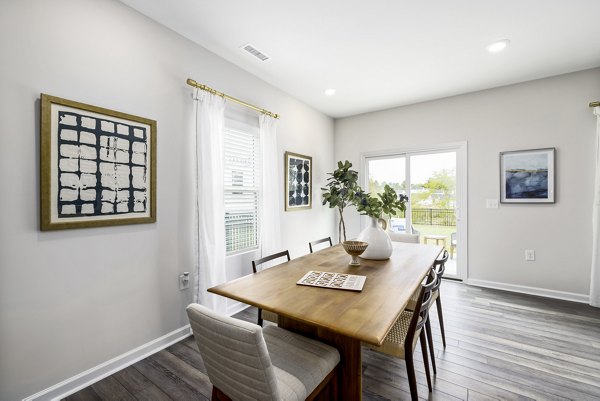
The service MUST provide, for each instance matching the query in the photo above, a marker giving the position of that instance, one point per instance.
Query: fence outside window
(433, 217)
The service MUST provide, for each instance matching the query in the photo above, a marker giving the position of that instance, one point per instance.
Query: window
(241, 181)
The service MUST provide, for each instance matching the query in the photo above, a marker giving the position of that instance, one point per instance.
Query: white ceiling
(383, 53)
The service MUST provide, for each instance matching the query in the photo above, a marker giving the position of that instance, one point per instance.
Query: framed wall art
(527, 176)
(98, 166)
(298, 182)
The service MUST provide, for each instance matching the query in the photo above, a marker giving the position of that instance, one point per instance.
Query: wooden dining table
(340, 318)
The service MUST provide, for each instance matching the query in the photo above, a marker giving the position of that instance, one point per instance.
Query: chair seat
(412, 302)
(394, 341)
(270, 316)
(300, 363)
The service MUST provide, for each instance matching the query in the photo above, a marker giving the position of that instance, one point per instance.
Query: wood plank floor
(500, 346)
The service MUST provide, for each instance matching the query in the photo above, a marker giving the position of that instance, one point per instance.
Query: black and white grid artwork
(299, 182)
(102, 166)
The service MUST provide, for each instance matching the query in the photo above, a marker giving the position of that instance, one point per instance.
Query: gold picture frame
(298, 181)
(97, 166)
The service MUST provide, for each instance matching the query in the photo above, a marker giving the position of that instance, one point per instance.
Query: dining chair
(319, 241)
(247, 362)
(265, 314)
(408, 329)
(439, 266)
(452, 244)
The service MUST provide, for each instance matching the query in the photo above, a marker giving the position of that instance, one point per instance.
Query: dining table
(341, 318)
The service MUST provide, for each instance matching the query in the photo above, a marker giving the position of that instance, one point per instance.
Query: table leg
(350, 367)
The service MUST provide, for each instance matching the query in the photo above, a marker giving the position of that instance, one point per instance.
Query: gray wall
(551, 112)
(70, 300)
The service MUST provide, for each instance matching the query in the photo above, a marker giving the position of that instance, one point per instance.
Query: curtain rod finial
(594, 104)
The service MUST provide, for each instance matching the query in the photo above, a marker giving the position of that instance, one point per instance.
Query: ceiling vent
(255, 52)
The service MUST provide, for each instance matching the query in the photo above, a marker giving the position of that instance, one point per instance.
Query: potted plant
(340, 192)
(387, 203)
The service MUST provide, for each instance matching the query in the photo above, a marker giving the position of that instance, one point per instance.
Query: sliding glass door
(434, 182)
(393, 172)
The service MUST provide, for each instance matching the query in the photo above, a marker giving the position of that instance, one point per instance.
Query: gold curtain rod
(594, 104)
(195, 84)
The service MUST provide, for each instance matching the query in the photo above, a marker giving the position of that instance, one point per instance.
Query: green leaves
(340, 186)
(342, 189)
(386, 203)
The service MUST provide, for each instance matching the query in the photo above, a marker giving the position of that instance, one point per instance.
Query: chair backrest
(421, 311)
(269, 258)
(235, 355)
(453, 237)
(440, 264)
(401, 237)
(319, 241)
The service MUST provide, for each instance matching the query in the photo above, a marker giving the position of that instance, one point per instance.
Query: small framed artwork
(98, 166)
(298, 182)
(527, 176)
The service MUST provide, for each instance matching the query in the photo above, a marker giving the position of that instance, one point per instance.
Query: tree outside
(438, 192)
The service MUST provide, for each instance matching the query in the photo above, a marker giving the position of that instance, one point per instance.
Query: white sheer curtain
(270, 230)
(209, 241)
(595, 280)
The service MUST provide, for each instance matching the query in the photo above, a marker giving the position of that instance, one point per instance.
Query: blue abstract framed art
(298, 181)
(527, 176)
(98, 166)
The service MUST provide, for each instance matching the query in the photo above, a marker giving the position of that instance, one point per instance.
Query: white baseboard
(542, 292)
(90, 376)
(234, 307)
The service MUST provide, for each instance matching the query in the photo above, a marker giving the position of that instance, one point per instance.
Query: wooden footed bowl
(354, 249)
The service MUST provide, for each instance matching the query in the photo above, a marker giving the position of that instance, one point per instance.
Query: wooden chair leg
(412, 380)
(430, 343)
(438, 303)
(334, 385)
(422, 340)
(218, 395)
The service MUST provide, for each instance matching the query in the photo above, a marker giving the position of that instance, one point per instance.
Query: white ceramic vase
(380, 244)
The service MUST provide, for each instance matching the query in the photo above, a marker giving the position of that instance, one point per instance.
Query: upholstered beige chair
(246, 362)
(312, 244)
(408, 329)
(401, 237)
(265, 314)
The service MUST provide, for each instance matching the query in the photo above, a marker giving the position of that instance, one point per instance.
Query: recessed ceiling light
(498, 46)
(330, 92)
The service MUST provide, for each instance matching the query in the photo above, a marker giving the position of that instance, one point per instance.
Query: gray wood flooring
(500, 346)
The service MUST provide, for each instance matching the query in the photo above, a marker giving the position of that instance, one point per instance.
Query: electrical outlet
(529, 255)
(184, 281)
(491, 203)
